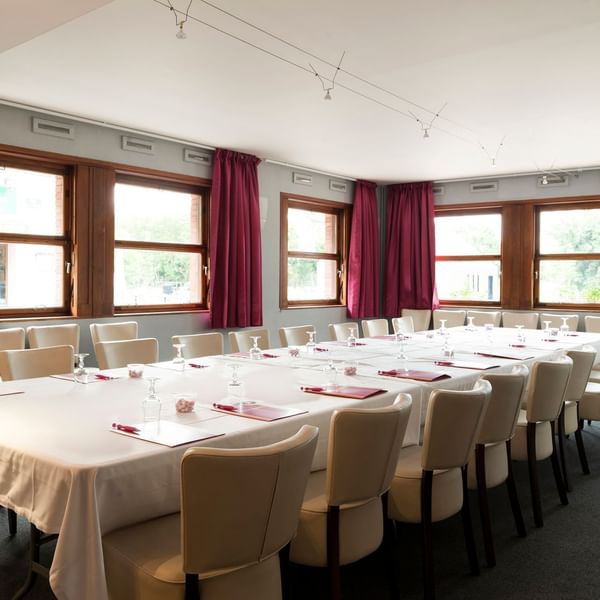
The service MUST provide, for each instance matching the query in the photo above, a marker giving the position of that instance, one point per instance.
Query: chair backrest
(547, 387)
(239, 341)
(483, 317)
(529, 320)
(592, 324)
(453, 318)
(54, 335)
(200, 344)
(583, 361)
(340, 331)
(373, 327)
(452, 426)
(364, 445)
(294, 336)
(112, 332)
(421, 317)
(12, 339)
(112, 355)
(557, 320)
(240, 506)
(403, 325)
(503, 409)
(36, 362)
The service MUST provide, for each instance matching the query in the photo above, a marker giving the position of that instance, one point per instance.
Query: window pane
(468, 280)
(29, 271)
(569, 281)
(311, 231)
(31, 202)
(152, 277)
(312, 279)
(569, 231)
(464, 235)
(156, 215)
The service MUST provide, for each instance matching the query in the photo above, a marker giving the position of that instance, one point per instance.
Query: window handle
(205, 267)
(68, 267)
(536, 275)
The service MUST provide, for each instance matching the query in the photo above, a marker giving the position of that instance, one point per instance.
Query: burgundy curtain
(410, 248)
(235, 251)
(363, 264)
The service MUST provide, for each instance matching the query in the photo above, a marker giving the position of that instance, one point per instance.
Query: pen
(125, 428)
(105, 377)
(306, 388)
(197, 365)
(224, 406)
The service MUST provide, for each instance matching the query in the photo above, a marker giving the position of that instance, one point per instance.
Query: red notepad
(167, 433)
(254, 410)
(415, 375)
(504, 355)
(463, 364)
(344, 391)
(247, 355)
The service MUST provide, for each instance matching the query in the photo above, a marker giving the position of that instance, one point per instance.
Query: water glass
(178, 360)
(311, 344)
(255, 352)
(151, 405)
(351, 339)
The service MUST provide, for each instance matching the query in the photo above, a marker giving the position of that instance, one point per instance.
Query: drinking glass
(442, 329)
(179, 361)
(470, 324)
(331, 371)
(255, 352)
(80, 372)
(489, 329)
(235, 387)
(547, 328)
(520, 334)
(351, 339)
(564, 328)
(151, 404)
(311, 344)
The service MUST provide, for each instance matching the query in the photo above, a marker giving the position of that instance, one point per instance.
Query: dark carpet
(558, 561)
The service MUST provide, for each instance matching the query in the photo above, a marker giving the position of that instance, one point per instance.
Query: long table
(63, 469)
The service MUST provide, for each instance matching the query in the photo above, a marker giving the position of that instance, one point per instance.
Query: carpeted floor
(558, 561)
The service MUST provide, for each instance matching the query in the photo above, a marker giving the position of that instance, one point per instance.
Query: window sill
(311, 306)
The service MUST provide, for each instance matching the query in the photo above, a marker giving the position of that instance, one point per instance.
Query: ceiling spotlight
(181, 34)
(426, 133)
(327, 95)
(493, 163)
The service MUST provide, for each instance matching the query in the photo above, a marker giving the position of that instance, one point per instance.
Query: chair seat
(405, 495)
(361, 527)
(589, 406)
(496, 467)
(543, 439)
(144, 562)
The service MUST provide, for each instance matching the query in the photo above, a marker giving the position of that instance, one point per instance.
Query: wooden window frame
(63, 241)
(172, 184)
(342, 212)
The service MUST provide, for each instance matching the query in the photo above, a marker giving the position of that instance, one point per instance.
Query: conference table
(65, 469)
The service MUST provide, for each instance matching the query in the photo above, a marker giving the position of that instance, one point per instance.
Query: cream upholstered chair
(557, 320)
(453, 318)
(112, 332)
(341, 520)
(592, 323)
(239, 341)
(200, 344)
(54, 335)
(112, 355)
(294, 336)
(239, 509)
(529, 320)
(491, 463)
(483, 317)
(403, 325)
(373, 327)
(35, 362)
(534, 435)
(12, 339)
(430, 482)
(421, 317)
(340, 331)
(569, 421)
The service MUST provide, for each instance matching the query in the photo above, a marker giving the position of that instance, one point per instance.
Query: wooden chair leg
(284, 570)
(465, 513)
(512, 494)
(389, 539)
(484, 507)
(333, 552)
(583, 461)
(192, 587)
(534, 483)
(560, 485)
(561, 449)
(12, 521)
(427, 535)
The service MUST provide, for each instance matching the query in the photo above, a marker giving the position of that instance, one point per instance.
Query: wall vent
(438, 190)
(137, 145)
(546, 181)
(338, 186)
(302, 178)
(195, 156)
(54, 128)
(484, 186)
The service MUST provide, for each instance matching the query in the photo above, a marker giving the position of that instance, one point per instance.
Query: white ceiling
(523, 71)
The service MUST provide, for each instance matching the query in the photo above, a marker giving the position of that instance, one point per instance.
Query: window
(568, 255)
(160, 259)
(468, 256)
(314, 240)
(35, 248)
